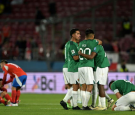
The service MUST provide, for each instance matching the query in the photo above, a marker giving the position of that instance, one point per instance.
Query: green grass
(48, 104)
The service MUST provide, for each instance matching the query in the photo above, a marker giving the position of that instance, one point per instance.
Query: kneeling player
(17, 76)
(5, 95)
(125, 93)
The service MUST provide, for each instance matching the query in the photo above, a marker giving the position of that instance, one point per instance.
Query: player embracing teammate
(90, 51)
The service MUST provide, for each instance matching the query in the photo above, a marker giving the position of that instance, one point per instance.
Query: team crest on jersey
(83, 45)
(73, 51)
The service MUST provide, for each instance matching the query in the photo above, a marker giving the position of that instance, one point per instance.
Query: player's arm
(74, 52)
(9, 80)
(116, 91)
(99, 41)
(118, 95)
(4, 78)
(3, 89)
(93, 54)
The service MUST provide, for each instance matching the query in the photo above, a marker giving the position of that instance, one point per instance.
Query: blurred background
(33, 32)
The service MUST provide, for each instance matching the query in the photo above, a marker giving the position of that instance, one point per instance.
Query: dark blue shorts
(19, 81)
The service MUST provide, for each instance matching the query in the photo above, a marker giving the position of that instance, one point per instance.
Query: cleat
(12, 104)
(18, 101)
(110, 102)
(76, 108)
(101, 108)
(132, 107)
(68, 106)
(64, 105)
(7, 102)
(86, 108)
(92, 107)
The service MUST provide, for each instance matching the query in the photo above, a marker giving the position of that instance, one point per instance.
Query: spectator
(39, 20)
(6, 31)
(52, 8)
(126, 26)
(123, 67)
(115, 46)
(131, 52)
(107, 46)
(16, 2)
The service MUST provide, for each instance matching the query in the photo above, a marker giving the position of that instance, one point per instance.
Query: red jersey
(13, 70)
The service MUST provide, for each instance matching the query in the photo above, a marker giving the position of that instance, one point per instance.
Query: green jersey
(122, 86)
(66, 54)
(100, 59)
(86, 47)
(73, 51)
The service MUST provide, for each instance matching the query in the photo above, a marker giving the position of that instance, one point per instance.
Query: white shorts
(101, 75)
(126, 99)
(66, 75)
(86, 75)
(73, 77)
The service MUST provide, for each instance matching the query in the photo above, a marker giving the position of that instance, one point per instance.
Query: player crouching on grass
(5, 95)
(125, 93)
(17, 76)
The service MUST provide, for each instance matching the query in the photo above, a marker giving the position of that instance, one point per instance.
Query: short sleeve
(73, 50)
(114, 88)
(96, 49)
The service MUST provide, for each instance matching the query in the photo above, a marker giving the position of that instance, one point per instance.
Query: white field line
(38, 104)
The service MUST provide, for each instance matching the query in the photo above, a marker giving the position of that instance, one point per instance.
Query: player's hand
(80, 53)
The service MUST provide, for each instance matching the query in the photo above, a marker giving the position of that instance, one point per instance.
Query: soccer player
(73, 60)
(102, 63)
(17, 76)
(5, 95)
(85, 69)
(67, 80)
(125, 93)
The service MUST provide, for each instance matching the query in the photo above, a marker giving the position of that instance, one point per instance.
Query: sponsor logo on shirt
(73, 51)
(83, 45)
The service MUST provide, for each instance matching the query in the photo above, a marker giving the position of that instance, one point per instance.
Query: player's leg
(68, 95)
(123, 103)
(75, 90)
(79, 95)
(18, 93)
(5, 95)
(101, 76)
(2, 95)
(81, 76)
(110, 100)
(89, 79)
(95, 93)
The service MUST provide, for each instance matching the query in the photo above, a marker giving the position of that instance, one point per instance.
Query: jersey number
(84, 52)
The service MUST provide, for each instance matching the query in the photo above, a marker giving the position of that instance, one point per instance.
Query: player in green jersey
(68, 86)
(125, 93)
(85, 69)
(73, 60)
(102, 63)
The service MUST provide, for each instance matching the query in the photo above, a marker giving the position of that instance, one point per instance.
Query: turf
(48, 104)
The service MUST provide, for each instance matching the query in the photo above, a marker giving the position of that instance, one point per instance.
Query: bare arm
(93, 54)
(118, 95)
(99, 41)
(76, 58)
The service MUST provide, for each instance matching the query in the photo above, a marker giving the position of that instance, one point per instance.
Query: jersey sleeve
(114, 88)
(96, 49)
(5, 69)
(73, 50)
(95, 42)
(3, 89)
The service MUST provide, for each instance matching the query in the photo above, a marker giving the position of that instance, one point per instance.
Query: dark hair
(111, 83)
(73, 31)
(1, 79)
(89, 31)
(5, 61)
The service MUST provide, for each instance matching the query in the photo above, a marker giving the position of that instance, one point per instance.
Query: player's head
(111, 84)
(1, 79)
(3, 62)
(75, 34)
(89, 34)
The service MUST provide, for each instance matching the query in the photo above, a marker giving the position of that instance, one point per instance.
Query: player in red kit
(5, 95)
(18, 78)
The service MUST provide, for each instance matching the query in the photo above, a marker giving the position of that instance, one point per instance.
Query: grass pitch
(48, 104)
